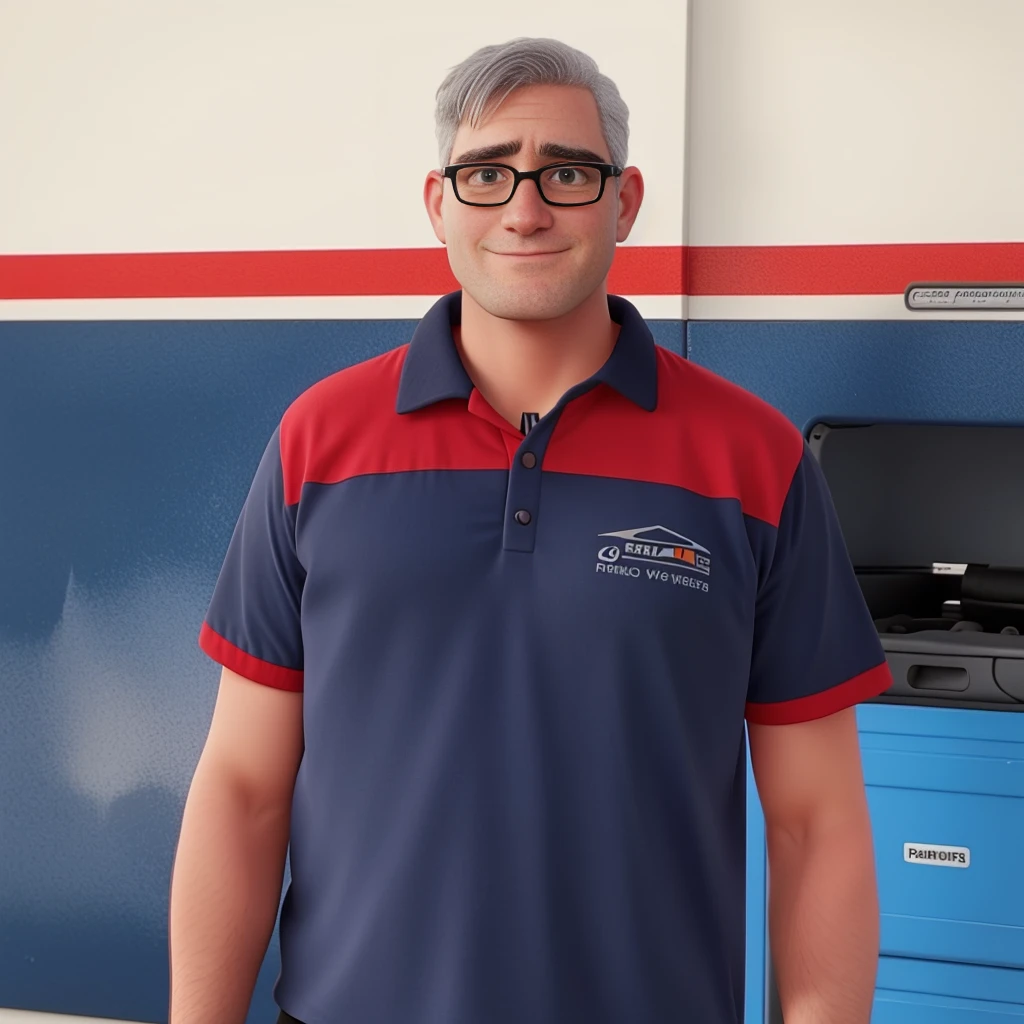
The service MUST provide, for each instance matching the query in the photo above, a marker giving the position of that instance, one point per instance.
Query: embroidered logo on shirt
(673, 556)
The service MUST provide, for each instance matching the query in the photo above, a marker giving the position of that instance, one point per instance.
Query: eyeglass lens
(565, 184)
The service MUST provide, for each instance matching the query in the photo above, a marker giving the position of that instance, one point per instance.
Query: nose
(526, 211)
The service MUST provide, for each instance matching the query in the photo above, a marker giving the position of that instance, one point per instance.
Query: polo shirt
(526, 665)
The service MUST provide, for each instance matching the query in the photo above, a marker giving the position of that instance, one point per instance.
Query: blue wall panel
(872, 371)
(126, 451)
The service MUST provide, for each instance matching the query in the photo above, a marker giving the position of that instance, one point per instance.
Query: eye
(572, 177)
(485, 176)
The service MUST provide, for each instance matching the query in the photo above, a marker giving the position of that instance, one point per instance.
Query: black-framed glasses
(575, 183)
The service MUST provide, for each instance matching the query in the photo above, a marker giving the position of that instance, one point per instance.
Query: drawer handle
(938, 677)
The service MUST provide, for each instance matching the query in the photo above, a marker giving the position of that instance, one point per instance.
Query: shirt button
(529, 460)
(523, 517)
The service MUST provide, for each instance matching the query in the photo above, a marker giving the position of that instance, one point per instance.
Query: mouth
(530, 255)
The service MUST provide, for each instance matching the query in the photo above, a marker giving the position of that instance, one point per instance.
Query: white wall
(875, 122)
(238, 125)
(243, 124)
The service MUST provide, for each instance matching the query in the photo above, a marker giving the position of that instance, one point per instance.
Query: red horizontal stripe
(234, 274)
(848, 269)
(259, 671)
(647, 270)
(872, 683)
(637, 270)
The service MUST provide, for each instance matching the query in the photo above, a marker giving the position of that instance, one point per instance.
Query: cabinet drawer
(946, 792)
(929, 992)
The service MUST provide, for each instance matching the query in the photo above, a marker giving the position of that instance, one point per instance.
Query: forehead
(540, 113)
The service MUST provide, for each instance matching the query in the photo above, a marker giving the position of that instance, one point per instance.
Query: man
(492, 621)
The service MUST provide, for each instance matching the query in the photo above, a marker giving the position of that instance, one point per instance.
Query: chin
(525, 300)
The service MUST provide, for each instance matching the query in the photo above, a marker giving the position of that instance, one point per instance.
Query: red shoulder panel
(346, 426)
(707, 435)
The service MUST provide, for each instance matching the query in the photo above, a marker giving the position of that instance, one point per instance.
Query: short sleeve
(253, 623)
(816, 649)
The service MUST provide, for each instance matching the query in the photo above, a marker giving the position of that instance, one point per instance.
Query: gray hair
(493, 72)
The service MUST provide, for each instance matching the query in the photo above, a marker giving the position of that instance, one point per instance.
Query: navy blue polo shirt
(526, 664)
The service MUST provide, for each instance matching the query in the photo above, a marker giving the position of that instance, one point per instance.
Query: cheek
(460, 232)
(610, 222)
(598, 224)
(600, 235)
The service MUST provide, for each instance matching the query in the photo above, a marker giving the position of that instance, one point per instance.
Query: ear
(433, 194)
(631, 195)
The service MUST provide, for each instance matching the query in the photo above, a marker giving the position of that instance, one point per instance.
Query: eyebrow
(505, 149)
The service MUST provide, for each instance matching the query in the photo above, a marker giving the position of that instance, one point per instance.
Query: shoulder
(367, 388)
(334, 413)
(712, 401)
(750, 447)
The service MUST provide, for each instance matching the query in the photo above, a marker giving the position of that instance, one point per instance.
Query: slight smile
(530, 255)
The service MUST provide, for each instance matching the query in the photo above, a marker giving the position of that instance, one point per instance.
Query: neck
(527, 365)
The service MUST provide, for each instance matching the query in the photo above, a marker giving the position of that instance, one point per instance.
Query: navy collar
(433, 370)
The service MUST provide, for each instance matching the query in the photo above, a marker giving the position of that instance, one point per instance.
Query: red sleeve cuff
(818, 705)
(259, 671)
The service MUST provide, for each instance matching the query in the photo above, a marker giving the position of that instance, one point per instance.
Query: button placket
(522, 502)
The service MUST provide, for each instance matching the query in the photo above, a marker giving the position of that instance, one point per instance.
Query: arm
(229, 866)
(823, 900)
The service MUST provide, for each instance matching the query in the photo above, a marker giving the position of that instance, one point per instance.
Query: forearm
(823, 912)
(224, 898)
